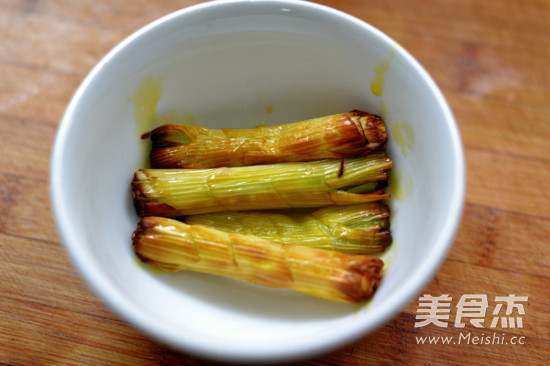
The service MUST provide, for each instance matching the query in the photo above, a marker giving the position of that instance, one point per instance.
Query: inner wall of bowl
(240, 72)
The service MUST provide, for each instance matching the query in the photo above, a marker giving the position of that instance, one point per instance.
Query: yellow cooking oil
(377, 86)
(145, 100)
(388, 256)
(403, 135)
(400, 184)
(145, 266)
(384, 111)
(173, 116)
(363, 305)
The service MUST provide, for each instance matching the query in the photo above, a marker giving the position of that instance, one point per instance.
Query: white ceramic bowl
(238, 64)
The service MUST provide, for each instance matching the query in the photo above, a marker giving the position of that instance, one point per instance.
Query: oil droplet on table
(377, 86)
(269, 109)
(145, 101)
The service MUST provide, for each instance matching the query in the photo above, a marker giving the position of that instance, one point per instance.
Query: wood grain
(490, 58)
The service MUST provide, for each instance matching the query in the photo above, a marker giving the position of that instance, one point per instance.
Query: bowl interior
(240, 64)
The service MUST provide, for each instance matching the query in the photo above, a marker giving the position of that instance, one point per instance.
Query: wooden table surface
(491, 59)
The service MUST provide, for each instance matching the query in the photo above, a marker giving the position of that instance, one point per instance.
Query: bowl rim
(99, 282)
